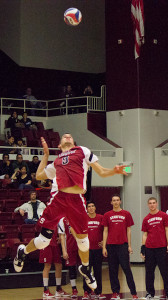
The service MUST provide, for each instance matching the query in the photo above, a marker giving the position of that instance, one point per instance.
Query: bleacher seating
(10, 204)
(13, 230)
(6, 218)
(3, 248)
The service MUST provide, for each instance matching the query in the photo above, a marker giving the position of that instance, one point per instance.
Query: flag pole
(138, 82)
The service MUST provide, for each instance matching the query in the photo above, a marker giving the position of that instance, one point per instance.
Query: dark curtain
(102, 197)
(164, 198)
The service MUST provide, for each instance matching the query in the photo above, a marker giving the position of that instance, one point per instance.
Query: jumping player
(69, 251)
(70, 169)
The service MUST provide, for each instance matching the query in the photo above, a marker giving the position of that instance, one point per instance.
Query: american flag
(137, 11)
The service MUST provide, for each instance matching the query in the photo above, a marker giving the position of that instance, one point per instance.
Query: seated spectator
(34, 209)
(28, 124)
(19, 163)
(10, 143)
(6, 181)
(21, 146)
(45, 184)
(6, 166)
(33, 166)
(88, 91)
(33, 101)
(14, 124)
(23, 179)
(13, 120)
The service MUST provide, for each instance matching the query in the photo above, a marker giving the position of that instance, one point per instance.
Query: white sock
(45, 281)
(73, 282)
(85, 264)
(58, 281)
(25, 251)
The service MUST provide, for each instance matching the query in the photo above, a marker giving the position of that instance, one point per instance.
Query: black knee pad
(48, 233)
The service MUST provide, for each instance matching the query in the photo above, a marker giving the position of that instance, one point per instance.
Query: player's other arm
(105, 172)
(144, 237)
(64, 251)
(129, 239)
(40, 174)
(105, 235)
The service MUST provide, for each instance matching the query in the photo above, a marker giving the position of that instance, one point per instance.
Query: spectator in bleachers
(28, 123)
(6, 182)
(6, 166)
(23, 179)
(33, 166)
(20, 146)
(10, 143)
(88, 91)
(13, 120)
(14, 124)
(33, 101)
(19, 163)
(34, 209)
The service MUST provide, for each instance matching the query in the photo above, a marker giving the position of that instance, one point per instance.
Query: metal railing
(30, 151)
(56, 107)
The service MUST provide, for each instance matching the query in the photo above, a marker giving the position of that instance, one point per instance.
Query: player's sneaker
(74, 293)
(89, 278)
(61, 293)
(101, 296)
(92, 295)
(115, 296)
(85, 296)
(149, 297)
(48, 295)
(134, 297)
(19, 259)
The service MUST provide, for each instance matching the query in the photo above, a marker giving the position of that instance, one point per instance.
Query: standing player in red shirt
(155, 246)
(48, 256)
(70, 169)
(117, 235)
(95, 234)
(69, 251)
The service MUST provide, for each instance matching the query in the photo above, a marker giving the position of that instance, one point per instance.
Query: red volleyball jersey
(155, 225)
(117, 223)
(95, 231)
(70, 167)
(64, 228)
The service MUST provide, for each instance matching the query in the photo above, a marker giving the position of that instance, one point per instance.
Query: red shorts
(50, 255)
(72, 206)
(73, 258)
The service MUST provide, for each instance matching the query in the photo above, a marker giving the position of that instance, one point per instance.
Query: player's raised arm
(105, 172)
(40, 174)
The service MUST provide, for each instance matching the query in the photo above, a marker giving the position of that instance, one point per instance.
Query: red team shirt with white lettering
(70, 167)
(117, 223)
(95, 231)
(155, 225)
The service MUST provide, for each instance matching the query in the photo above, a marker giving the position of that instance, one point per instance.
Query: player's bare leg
(58, 275)
(46, 270)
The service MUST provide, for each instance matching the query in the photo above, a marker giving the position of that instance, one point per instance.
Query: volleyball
(72, 16)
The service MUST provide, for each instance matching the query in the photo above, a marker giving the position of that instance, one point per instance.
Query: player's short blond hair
(152, 198)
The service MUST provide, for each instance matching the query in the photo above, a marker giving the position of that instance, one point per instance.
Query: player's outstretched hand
(45, 146)
(120, 170)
